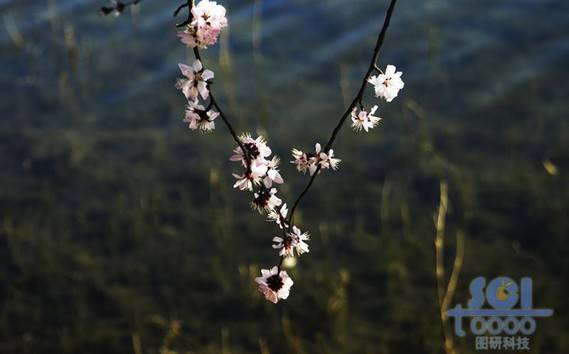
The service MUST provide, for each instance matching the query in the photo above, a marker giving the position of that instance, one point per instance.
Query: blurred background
(119, 229)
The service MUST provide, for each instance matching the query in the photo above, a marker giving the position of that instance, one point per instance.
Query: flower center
(203, 115)
(198, 78)
(262, 198)
(252, 150)
(288, 241)
(275, 282)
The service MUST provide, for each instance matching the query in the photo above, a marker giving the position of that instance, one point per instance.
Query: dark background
(119, 229)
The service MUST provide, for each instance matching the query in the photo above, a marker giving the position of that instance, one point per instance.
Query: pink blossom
(292, 241)
(257, 149)
(196, 81)
(325, 160)
(265, 199)
(364, 120)
(189, 37)
(208, 21)
(198, 118)
(311, 161)
(274, 285)
(209, 14)
(246, 181)
(273, 174)
(300, 160)
(278, 215)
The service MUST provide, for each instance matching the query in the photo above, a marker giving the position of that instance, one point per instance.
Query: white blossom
(278, 215)
(198, 118)
(208, 19)
(311, 161)
(209, 14)
(196, 81)
(364, 120)
(257, 149)
(273, 174)
(300, 160)
(326, 160)
(388, 84)
(292, 241)
(252, 177)
(274, 285)
(265, 199)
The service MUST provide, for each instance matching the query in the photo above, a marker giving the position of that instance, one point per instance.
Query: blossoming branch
(259, 172)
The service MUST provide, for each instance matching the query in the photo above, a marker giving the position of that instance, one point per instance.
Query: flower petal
(207, 75)
(197, 65)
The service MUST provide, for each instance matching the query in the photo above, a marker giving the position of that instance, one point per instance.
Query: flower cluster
(387, 86)
(259, 176)
(208, 19)
(260, 172)
(194, 85)
(311, 161)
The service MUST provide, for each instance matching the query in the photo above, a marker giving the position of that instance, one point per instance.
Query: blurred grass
(101, 234)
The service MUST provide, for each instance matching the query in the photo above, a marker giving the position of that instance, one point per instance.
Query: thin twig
(213, 103)
(357, 98)
(189, 4)
(177, 11)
